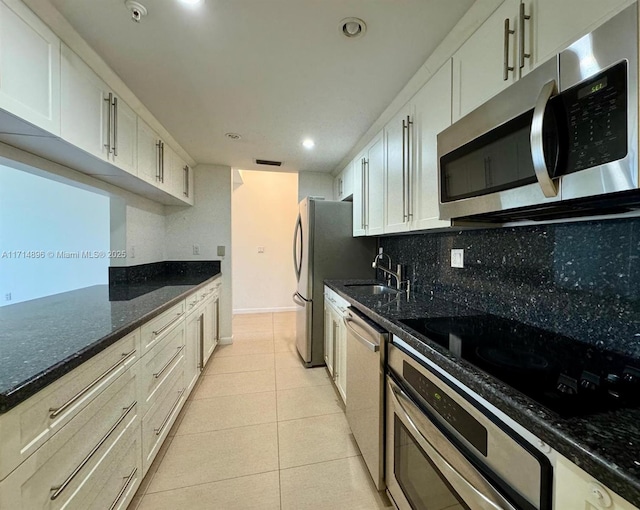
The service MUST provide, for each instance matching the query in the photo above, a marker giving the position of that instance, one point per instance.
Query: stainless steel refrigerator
(324, 248)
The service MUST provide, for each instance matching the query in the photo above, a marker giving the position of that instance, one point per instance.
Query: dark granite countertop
(605, 445)
(43, 339)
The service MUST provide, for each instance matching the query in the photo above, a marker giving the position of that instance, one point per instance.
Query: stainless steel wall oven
(445, 451)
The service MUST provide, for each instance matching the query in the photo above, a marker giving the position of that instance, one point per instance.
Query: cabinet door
(359, 195)
(85, 106)
(211, 321)
(374, 206)
(29, 68)
(125, 134)
(558, 24)
(148, 153)
(347, 181)
(432, 115)
(193, 348)
(188, 189)
(479, 64)
(397, 135)
(328, 336)
(340, 356)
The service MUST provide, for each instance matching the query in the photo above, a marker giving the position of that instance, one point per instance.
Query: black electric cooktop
(567, 376)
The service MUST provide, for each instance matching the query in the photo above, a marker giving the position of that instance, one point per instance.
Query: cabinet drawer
(56, 408)
(160, 365)
(64, 473)
(122, 478)
(192, 302)
(159, 419)
(154, 331)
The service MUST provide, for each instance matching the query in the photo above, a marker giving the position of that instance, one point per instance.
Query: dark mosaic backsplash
(577, 279)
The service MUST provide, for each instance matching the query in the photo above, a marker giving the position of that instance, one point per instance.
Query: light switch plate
(457, 258)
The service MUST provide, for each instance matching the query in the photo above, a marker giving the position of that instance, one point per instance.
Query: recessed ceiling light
(308, 143)
(191, 2)
(233, 136)
(353, 27)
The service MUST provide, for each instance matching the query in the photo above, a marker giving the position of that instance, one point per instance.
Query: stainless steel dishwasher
(366, 344)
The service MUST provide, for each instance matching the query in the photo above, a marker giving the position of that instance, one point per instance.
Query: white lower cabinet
(335, 340)
(574, 488)
(87, 440)
(211, 328)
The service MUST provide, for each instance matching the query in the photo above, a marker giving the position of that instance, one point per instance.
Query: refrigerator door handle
(297, 262)
(299, 300)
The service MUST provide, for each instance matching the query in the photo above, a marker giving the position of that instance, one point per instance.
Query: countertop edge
(618, 481)
(30, 387)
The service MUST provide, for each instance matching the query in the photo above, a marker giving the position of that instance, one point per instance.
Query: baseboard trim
(225, 340)
(243, 311)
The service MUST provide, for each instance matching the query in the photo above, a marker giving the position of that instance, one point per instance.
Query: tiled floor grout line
(322, 462)
(275, 370)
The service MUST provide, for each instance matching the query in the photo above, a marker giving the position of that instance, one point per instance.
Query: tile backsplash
(578, 279)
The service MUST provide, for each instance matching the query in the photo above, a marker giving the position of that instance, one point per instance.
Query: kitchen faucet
(397, 275)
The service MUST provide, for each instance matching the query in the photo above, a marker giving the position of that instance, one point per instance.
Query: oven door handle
(549, 186)
(474, 488)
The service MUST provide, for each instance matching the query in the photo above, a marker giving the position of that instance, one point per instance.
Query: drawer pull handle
(159, 430)
(168, 363)
(55, 411)
(167, 326)
(60, 488)
(127, 482)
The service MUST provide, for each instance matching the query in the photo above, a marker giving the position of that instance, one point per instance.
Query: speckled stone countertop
(605, 445)
(43, 339)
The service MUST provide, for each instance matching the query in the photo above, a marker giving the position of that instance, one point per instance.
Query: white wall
(315, 184)
(57, 221)
(265, 208)
(207, 224)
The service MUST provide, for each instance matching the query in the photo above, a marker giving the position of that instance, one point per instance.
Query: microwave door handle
(487, 498)
(549, 186)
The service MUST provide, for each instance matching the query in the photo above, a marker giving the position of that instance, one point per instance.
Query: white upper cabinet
(358, 166)
(374, 187)
(29, 68)
(180, 176)
(487, 62)
(343, 183)
(432, 114)
(94, 118)
(148, 153)
(558, 24)
(399, 141)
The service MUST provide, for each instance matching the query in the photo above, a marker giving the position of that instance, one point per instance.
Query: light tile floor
(260, 432)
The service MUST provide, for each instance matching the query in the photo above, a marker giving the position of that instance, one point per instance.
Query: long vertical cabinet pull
(523, 17)
(507, 33)
(159, 164)
(362, 183)
(109, 101)
(201, 341)
(404, 169)
(366, 207)
(186, 181)
(115, 126)
(162, 159)
(409, 171)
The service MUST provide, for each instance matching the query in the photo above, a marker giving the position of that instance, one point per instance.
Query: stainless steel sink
(372, 288)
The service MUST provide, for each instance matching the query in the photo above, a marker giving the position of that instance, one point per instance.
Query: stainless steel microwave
(562, 140)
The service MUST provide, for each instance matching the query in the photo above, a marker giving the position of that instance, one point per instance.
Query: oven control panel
(448, 409)
(596, 119)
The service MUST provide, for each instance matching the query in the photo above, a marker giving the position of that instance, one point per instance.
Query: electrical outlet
(196, 249)
(7, 296)
(260, 249)
(221, 251)
(457, 258)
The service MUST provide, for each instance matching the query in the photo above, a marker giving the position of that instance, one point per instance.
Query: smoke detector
(353, 27)
(138, 11)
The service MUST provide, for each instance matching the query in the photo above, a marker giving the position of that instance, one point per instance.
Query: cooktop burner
(565, 375)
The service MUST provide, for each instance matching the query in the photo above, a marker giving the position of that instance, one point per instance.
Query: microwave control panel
(596, 117)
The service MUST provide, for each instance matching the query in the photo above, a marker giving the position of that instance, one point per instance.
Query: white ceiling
(275, 71)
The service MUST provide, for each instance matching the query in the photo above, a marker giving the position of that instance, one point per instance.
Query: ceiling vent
(268, 162)
(353, 27)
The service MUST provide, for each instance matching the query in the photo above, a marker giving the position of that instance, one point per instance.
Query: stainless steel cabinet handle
(115, 126)
(201, 341)
(159, 430)
(186, 181)
(507, 67)
(363, 197)
(366, 195)
(372, 346)
(404, 163)
(334, 327)
(127, 482)
(409, 170)
(59, 489)
(487, 497)
(109, 101)
(159, 164)
(162, 159)
(168, 363)
(167, 326)
(549, 186)
(55, 411)
(523, 17)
